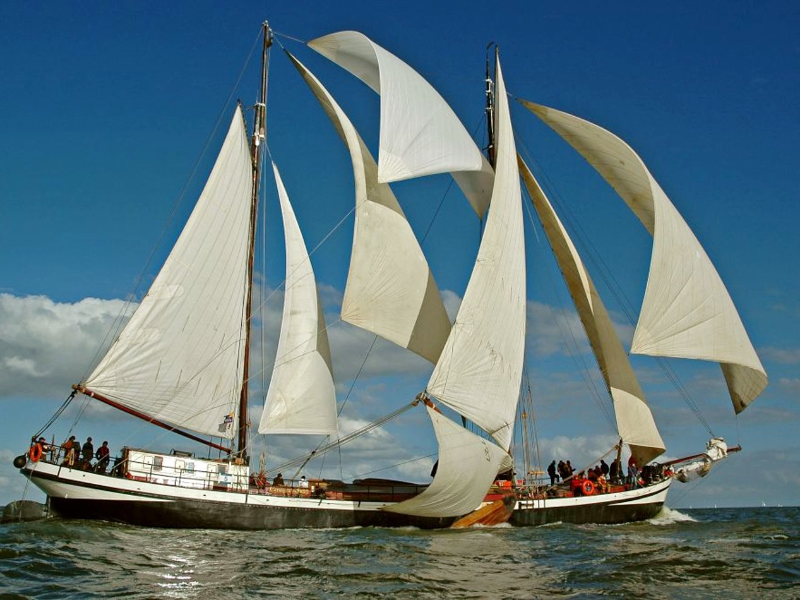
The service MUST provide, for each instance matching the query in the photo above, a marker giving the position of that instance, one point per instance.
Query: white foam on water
(670, 516)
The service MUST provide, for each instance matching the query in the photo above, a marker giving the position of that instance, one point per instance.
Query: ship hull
(74, 493)
(621, 507)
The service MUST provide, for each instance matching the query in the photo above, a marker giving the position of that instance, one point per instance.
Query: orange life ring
(36, 452)
(587, 487)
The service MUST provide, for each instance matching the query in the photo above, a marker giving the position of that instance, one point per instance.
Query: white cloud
(581, 451)
(45, 345)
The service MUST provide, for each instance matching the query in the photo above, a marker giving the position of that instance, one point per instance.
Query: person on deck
(88, 453)
(278, 479)
(613, 472)
(604, 468)
(633, 472)
(69, 451)
(575, 484)
(551, 470)
(303, 482)
(103, 455)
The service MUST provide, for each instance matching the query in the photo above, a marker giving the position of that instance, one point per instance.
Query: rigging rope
(569, 337)
(341, 441)
(56, 414)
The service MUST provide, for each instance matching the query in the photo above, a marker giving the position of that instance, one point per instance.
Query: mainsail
(635, 423)
(390, 289)
(301, 397)
(480, 370)
(179, 358)
(687, 311)
(419, 132)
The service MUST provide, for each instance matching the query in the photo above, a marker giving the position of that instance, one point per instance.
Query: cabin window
(158, 462)
(190, 467)
(180, 466)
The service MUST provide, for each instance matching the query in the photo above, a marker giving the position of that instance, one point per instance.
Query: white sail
(390, 289)
(179, 358)
(687, 311)
(635, 422)
(301, 397)
(467, 466)
(480, 370)
(419, 134)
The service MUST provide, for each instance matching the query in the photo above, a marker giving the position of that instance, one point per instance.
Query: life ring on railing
(587, 487)
(36, 452)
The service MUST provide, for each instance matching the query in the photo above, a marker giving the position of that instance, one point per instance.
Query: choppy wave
(731, 553)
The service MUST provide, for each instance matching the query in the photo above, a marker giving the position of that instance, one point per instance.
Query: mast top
(268, 35)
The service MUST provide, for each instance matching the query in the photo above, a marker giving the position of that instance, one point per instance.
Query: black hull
(194, 514)
(599, 514)
(607, 509)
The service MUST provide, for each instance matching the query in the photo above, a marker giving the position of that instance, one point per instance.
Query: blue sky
(105, 111)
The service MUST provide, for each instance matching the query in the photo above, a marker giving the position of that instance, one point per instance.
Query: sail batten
(480, 370)
(390, 289)
(687, 311)
(419, 132)
(301, 398)
(179, 358)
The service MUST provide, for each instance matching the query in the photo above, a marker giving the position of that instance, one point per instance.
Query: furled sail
(419, 133)
(467, 466)
(480, 369)
(635, 422)
(301, 397)
(687, 311)
(390, 289)
(179, 358)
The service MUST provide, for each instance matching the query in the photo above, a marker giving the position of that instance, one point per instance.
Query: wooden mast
(259, 134)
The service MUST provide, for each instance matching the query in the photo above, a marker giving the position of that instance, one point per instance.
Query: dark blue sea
(719, 553)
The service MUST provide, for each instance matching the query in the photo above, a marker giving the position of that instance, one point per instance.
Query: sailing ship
(182, 360)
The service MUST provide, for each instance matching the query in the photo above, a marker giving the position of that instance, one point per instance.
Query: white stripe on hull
(654, 494)
(75, 484)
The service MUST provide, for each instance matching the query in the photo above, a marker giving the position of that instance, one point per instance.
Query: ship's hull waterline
(74, 493)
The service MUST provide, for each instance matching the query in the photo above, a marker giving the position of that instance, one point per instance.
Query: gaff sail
(179, 359)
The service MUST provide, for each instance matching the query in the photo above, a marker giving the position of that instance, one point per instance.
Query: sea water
(711, 553)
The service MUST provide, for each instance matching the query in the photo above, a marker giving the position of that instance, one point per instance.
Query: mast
(259, 134)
